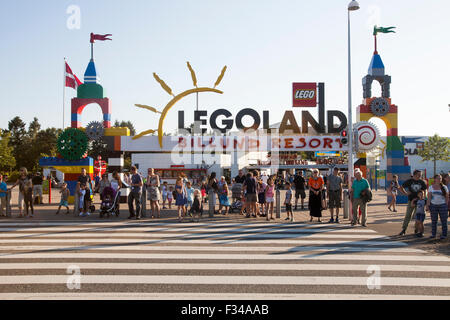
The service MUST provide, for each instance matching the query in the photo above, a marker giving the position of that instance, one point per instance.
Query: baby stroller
(236, 191)
(110, 202)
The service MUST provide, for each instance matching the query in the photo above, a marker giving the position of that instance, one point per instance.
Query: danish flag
(72, 80)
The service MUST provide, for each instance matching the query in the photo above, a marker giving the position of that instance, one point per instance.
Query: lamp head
(353, 6)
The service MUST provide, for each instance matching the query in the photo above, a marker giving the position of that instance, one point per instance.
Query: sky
(266, 45)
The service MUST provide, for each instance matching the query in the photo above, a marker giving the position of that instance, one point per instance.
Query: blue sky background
(266, 45)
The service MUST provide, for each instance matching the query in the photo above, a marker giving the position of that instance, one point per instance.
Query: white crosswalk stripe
(213, 260)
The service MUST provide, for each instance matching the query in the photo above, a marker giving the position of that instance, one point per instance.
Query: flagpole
(64, 93)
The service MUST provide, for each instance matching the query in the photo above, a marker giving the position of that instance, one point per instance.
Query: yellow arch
(173, 102)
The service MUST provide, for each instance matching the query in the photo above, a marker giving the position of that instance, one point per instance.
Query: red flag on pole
(100, 37)
(72, 80)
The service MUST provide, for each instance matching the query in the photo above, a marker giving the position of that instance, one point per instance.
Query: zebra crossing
(212, 260)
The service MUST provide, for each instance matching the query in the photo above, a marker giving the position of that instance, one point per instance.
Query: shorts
(269, 199)
(251, 197)
(420, 217)
(335, 199)
(189, 203)
(300, 192)
(261, 198)
(164, 196)
(289, 207)
(64, 203)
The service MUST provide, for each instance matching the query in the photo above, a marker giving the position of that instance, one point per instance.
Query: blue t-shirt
(3, 187)
(135, 179)
(190, 194)
(359, 186)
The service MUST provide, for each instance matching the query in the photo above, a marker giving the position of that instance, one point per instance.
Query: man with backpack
(361, 195)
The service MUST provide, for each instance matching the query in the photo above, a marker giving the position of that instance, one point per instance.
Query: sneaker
(395, 210)
(419, 235)
(247, 216)
(402, 233)
(292, 219)
(303, 208)
(287, 219)
(364, 225)
(432, 237)
(337, 220)
(443, 237)
(331, 220)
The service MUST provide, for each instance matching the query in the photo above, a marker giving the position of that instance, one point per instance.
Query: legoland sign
(306, 93)
(254, 132)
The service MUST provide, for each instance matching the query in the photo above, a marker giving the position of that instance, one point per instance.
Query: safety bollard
(144, 202)
(211, 203)
(8, 203)
(278, 204)
(346, 204)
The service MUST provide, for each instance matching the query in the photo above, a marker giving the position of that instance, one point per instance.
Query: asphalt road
(67, 257)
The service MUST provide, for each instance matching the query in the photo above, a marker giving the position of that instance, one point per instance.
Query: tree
(33, 128)
(16, 127)
(127, 124)
(20, 142)
(44, 143)
(98, 148)
(435, 149)
(7, 160)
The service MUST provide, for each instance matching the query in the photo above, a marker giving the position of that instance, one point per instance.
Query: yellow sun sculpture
(175, 99)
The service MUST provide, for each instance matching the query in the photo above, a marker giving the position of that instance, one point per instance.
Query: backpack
(366, 195)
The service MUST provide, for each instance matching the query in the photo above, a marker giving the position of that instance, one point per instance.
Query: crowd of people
(252, 194)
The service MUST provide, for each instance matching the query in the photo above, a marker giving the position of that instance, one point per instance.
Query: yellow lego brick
(117, 132)
(74, 169)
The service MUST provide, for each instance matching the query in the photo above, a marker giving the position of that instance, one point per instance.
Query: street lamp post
(353, 6)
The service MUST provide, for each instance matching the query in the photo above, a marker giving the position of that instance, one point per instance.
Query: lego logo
(305, 94)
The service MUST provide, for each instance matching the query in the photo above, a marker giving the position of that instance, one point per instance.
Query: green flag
(383, 30)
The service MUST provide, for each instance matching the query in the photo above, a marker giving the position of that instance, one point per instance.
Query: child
(28, 197)
(203, 191)
(269, 195)
(170, 197)
(197, 206)
(82, 196)
(180, 198)
(261, 189)
(87, 201)
(164, 193)
(420, 213)
(65, 193)
(288, 202)
(190, 195)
